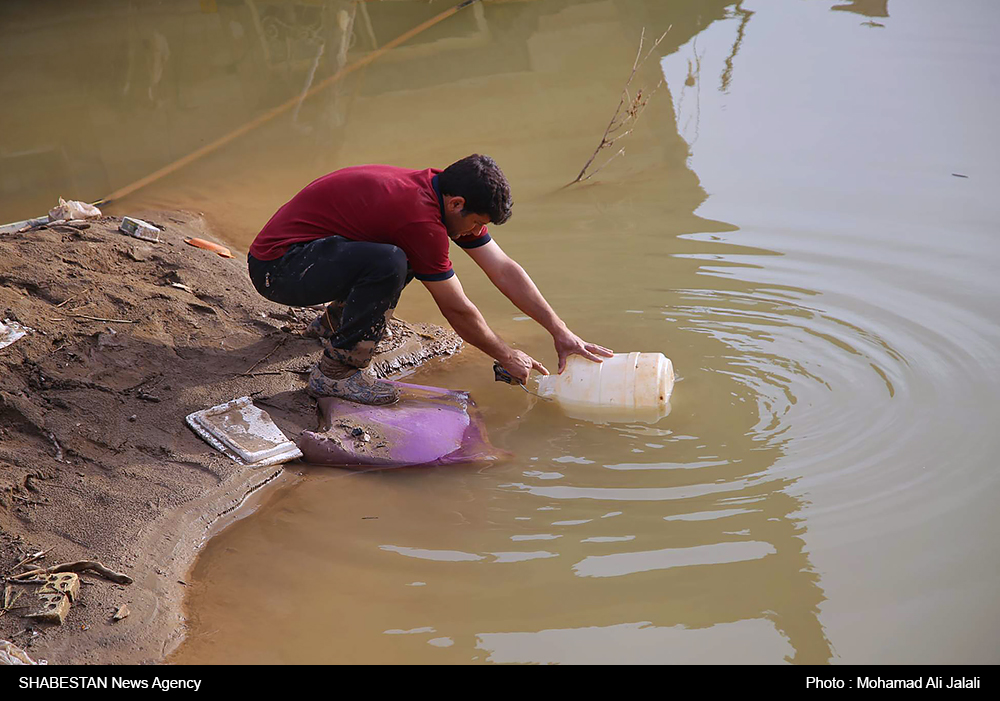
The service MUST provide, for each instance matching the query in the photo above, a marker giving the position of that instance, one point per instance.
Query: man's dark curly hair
(480, 181)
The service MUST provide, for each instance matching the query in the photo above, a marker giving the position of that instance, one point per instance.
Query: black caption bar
(254, 679)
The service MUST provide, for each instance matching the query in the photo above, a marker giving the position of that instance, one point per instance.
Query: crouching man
(353, 239)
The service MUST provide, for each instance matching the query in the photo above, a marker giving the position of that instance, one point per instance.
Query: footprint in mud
(210, 299)
(202, 308)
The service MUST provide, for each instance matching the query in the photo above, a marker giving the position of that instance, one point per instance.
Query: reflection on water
(617, 415)
(768, 230)
(868, 8)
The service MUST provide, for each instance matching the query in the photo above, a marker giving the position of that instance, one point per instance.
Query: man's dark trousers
(360, 281)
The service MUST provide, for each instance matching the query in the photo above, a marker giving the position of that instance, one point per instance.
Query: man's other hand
(570, 344)
(520, 365)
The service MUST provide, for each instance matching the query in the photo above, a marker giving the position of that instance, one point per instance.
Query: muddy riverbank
(125, 339)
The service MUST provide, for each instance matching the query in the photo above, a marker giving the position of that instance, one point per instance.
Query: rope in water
(282, 108)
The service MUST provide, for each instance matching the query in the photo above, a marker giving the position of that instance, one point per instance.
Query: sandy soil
(96, 462)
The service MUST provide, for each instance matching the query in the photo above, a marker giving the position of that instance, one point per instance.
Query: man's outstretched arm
(469, 323)
(511, 279)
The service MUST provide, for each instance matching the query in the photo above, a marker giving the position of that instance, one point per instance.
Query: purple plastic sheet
(427, 426)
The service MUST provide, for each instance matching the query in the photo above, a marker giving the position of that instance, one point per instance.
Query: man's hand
(510, 278)
(569, 343)
(470, 325)
(520, 365)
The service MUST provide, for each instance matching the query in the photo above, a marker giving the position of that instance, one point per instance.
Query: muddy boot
(324, 325)
(349, 383)
(389, 318)
(318, 328)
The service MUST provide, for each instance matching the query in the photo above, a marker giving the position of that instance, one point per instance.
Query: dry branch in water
(626, 114)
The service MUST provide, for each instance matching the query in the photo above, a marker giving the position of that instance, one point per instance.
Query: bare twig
(621, 152)
(143, 381)
(282, 371)
(97, 318)
(249, 371)
(626, 113)
(9, 601)
(31, 558)
(77, 566)
(25, 500)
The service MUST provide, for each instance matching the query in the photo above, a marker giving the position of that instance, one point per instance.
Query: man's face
(460, 225)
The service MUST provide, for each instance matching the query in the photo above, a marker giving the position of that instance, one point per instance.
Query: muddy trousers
(359, 281)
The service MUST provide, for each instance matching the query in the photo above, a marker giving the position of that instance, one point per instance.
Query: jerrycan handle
(500, 374)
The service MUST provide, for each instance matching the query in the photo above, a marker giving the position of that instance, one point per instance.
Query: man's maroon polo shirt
(376, 203)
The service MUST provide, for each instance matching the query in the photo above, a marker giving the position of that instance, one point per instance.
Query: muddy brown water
(804, 220)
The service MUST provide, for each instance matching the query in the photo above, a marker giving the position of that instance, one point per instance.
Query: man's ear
(454, 204)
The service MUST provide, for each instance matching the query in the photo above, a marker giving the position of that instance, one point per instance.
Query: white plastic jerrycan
(627, 382)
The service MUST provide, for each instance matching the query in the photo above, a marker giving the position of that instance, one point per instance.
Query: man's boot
(325, 325)
(331, 378)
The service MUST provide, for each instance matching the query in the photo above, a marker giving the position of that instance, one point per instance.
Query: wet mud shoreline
(127, 337)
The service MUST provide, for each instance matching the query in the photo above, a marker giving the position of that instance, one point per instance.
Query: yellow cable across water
(280, 109)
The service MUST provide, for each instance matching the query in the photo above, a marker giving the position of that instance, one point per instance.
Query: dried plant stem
(31, 558)
(9, 600)
(627, 112)
(97, 318)
(249, 370)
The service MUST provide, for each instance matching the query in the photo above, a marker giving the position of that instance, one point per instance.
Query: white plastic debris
(10, 331)
(244, 433)
(73, 209)
(11, 654)
(140, 229)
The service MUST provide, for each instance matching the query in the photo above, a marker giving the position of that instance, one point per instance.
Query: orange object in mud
(209, 246)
